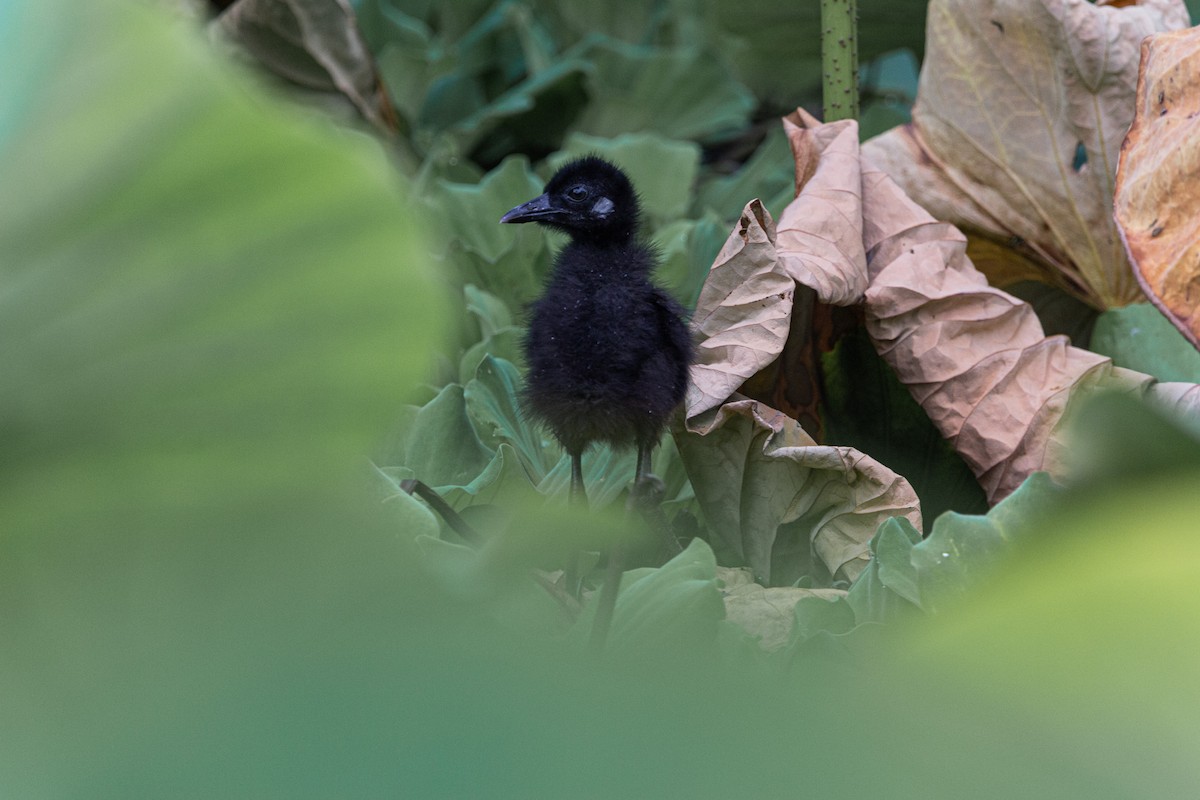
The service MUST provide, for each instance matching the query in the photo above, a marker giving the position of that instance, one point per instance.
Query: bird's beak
(538, 208)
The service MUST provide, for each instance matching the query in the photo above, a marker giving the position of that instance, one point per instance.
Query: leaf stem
(607, 603)
(839, 58)
(435, 501)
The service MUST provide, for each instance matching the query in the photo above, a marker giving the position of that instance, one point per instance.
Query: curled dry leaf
(1020, 112)
(786, 506)
(746, 306)
(1157, 197)
(974, 357)
(783, 504)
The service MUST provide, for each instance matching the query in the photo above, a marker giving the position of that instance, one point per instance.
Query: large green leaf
(629, 22)
(497, 334)
(673, 608)
(507, 261)
(1139, 337)
(960, 553)
(1115, 437)
(686, 251)
(440, 447)
(681, 93)
(962, 549)
(175, 301)
(494, 403)
(212, 306)
(769, 174)
(1090, 636)
(503, 486)
(779, 46)
(403, 49)
(888, 89)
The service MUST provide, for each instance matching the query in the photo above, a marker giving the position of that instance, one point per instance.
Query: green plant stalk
(839, 58)
(607, 603)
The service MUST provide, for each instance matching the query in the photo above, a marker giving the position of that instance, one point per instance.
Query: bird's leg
(606, 603)
(646, 495)
(577, 496)
(643, 462)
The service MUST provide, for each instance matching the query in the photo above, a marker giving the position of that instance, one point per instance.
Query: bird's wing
(673, 332)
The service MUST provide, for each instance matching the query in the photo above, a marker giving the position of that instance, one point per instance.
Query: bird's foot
(646, 494)
(645, 498)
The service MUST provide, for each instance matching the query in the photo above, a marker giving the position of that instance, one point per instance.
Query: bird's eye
(577, 194)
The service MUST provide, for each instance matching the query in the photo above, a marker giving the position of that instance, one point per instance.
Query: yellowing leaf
(1003, 264)
(1018, 121)
(786, 506)
(1157, 199)
(768, 614)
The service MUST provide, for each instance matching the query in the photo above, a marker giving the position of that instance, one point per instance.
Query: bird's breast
(589, 339)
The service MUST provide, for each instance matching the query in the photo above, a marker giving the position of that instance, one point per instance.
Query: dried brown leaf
(1157, 195)
(745, 309)
(973, 356)
(743, 312)
(1012, 94)
(785, 505)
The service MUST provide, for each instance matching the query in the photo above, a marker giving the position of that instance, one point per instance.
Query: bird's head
(588, 198)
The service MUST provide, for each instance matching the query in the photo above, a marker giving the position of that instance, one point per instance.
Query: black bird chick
(607, 350)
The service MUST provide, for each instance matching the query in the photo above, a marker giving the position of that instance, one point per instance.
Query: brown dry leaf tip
(780, 501)
(819, 235)
(1157, 204)
(1020, 112)
(742, 314)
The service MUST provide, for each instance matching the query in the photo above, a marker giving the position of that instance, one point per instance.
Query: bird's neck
(607, 257)
(604, 239)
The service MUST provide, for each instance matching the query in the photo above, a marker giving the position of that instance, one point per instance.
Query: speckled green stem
(839, 58)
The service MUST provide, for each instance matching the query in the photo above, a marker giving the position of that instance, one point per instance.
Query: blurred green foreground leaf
(210, 310)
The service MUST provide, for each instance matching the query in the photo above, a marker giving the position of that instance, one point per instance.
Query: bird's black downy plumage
(607, 350)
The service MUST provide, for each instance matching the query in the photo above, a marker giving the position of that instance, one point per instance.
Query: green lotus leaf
(681, 93)
(494, 405)
(441, 447)
(1139, 337)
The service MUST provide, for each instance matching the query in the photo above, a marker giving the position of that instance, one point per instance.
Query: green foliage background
(214, 306)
